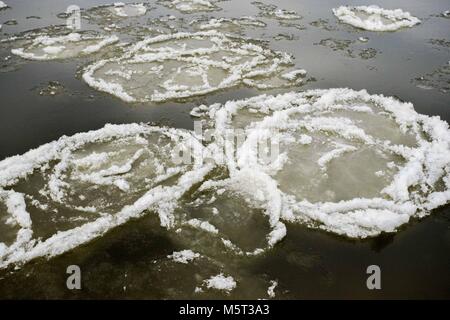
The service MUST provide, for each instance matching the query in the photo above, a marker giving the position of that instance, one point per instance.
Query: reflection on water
(41, 101)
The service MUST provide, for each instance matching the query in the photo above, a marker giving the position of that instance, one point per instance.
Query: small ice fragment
(221, 282)
(271, 289)
(184, 256)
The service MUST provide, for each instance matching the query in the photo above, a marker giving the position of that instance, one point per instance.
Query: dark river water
(126, 262)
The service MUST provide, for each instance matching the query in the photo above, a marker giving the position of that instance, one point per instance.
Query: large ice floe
(374, 18)
(43, 47)
(184, 65)
(346, 162)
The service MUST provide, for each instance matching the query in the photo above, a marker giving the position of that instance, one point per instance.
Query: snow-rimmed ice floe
(351, 163)
(67, 46)
(77, 188)
(374, 18)
(191, 6)
(348, 162)
(184, 65)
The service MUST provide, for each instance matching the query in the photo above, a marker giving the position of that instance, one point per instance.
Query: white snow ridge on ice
(184, 65)
(67, 46)
(374, 18)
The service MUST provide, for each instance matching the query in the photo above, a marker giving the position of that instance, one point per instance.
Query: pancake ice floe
(183, 65)
(70, 191)
(348, 162)
(374, 18)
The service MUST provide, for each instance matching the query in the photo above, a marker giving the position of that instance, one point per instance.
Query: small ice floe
(114, 12)
(341, 45)
(221, 282)
(323, 24)
(228, 25)
(191, 6)
(184, 256)
(363, 39)
(374, 18)
(286, 14)
(67, 46)
(184, 65)
(121, 18)
(294, 74)
(368, 53)
(438, 79)
(440, 43)
(52, 88)
(272, 11)
(123, 10)
(347, 47)
(271, 289)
